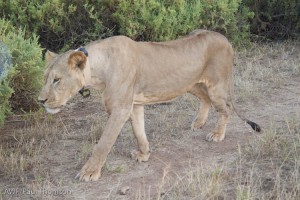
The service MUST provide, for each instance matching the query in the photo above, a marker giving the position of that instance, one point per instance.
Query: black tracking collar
(84, 92)
(82, 49)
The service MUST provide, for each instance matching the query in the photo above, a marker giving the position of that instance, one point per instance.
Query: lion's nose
(42, 101)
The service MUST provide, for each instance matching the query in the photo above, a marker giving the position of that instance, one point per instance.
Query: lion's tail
(253, 125)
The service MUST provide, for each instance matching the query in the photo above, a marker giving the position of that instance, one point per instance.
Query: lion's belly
(143, 99)
(159, 96)
(153, 95)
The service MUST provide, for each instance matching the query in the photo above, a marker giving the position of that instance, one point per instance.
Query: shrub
(164, 20)
(155, 20)
(229, 17)
(19, 88)
(59, 23)
(5, 94)
(64, 24)
(275, 18)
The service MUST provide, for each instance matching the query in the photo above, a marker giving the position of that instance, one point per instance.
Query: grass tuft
(268, 167)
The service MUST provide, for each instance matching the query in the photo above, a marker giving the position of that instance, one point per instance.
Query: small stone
(124, 190)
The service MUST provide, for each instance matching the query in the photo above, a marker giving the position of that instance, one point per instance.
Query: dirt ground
(175, 147)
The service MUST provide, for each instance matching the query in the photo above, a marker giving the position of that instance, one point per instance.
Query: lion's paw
(139, 156)
(215, 136)
(91, 171)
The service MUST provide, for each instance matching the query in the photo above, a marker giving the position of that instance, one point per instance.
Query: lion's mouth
(53, 110)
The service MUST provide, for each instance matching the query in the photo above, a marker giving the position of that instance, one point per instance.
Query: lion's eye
(56, 80)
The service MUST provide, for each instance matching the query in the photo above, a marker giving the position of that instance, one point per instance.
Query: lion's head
(64, 77)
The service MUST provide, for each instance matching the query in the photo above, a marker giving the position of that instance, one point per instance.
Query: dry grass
(264, 67)
(274, 161)
(22, 153)
(268, 167)
(21, 148)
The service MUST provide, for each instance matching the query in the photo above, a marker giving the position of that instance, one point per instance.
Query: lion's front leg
(138, 125)
(91, 171)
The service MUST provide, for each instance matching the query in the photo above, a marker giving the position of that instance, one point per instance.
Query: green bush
(275, 18)
(159, 20)
(155, 20)
(5, 93)
(64, 24)
(19, 88)
(58, 23)
(229, 17)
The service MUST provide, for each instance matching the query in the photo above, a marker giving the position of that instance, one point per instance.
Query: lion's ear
(77, 60)
(49, 55)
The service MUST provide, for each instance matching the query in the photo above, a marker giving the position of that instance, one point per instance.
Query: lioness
(133, 74)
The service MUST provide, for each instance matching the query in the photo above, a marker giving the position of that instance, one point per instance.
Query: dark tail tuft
(254, 126)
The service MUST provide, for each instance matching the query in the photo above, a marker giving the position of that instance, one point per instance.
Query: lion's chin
(52, 110)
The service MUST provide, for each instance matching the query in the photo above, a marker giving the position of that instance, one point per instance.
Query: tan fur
(132, 74)
(77, 59)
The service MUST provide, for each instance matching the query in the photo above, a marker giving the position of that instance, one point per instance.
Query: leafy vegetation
(275, 18)
(59, 23)
(19, 86)
(165, 20)
(67, 24)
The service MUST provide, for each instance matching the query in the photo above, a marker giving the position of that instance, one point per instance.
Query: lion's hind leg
(218, 95)
(138, 125)
(200, 91)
